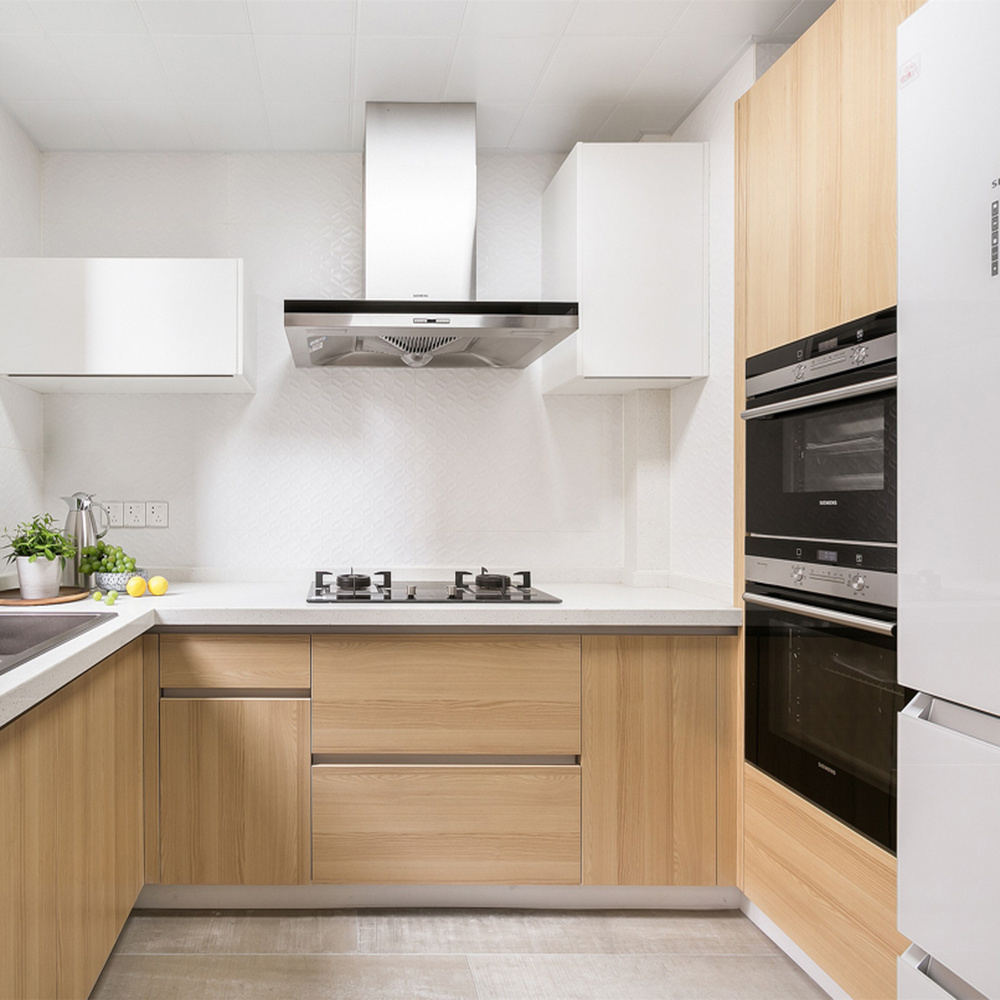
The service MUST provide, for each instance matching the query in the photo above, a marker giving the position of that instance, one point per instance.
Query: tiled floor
(449, 955)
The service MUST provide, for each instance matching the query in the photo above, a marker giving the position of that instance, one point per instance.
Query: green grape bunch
(104, 558)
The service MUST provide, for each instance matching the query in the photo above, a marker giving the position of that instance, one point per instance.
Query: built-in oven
(821, 692)
(821, 435)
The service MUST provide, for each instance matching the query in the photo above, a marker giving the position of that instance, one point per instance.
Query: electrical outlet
(157, 513)
(116, 513)
(135, 514)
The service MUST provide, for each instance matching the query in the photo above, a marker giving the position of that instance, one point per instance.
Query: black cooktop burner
(487, 587)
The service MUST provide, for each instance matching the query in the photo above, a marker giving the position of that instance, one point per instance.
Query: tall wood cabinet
(815, 247)
(71, 863)
(816, 178)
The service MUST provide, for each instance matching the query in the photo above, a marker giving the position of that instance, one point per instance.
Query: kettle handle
(107, 518)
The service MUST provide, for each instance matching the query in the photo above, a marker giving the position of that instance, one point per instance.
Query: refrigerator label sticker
(909, 71)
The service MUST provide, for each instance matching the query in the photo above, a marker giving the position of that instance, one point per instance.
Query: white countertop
(584, 608)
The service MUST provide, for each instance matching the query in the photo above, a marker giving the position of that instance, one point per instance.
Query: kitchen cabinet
(453, 694)
(816, 178)
(512, 824)
(624, 233)
(127, 324)
(71, 827)
(234, 760)
(649, 760)
(832, 891)
(482, 784)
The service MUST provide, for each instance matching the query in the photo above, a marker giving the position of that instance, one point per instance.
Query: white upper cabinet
(624, 233)
(126, 324)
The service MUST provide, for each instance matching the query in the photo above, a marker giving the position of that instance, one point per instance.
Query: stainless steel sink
(24, 634)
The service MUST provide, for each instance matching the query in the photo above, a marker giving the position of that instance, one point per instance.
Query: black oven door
(821, 704)
(824, 470)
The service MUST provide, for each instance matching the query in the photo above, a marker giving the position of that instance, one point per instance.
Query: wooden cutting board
(10, 598)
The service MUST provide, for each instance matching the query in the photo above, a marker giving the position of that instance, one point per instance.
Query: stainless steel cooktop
(468, 588)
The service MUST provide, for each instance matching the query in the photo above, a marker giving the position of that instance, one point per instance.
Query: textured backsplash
(396, 468)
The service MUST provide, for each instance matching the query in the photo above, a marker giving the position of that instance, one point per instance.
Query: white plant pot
(40, 579)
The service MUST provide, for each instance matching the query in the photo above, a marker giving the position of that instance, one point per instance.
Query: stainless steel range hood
(420, 310)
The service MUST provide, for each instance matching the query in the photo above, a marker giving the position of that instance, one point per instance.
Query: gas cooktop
(483, 588)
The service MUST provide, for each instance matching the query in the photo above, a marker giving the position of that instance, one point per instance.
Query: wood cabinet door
(463, 823)
(453, 694)
(649, 760)
(234, 791)
(71, 830)
(816, 177)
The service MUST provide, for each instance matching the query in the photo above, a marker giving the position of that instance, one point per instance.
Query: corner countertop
(609, 608)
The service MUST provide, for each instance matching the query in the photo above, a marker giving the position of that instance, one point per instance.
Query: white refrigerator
(949, 499)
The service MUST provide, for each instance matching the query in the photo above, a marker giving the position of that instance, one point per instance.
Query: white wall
(20, 408)
(701, 414)
(319, 468)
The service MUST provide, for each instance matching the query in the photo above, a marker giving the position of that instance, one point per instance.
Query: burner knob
(798, 573)
(858, 583)
(411, 591)
(452, 590)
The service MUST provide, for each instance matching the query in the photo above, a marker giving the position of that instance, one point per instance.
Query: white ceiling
(295, 74)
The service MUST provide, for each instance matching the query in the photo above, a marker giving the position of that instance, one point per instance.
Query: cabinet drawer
(446, 694)
(508, 824)
(234, 661)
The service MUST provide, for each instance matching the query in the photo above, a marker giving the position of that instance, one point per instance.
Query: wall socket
(157, 515)
(138, 513)
(135, 514)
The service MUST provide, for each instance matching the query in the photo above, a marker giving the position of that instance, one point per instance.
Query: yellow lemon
(158, 585)
(135, 587)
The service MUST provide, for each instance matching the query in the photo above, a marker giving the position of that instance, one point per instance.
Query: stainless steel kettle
(82, 528)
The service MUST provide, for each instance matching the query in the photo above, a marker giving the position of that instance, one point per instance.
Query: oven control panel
(849, 570)
(871, 587)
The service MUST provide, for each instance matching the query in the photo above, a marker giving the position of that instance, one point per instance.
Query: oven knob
(800, 372)
(860, 354)
(798, 573)
(858, 583)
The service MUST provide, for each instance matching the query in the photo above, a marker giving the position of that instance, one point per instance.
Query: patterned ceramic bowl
(117, 581)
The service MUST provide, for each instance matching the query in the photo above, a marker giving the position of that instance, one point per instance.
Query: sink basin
(26, 634)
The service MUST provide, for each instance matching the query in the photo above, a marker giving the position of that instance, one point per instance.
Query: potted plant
(39, 577)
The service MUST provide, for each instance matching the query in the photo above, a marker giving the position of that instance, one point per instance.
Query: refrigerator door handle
(955, 718)
(922, 977)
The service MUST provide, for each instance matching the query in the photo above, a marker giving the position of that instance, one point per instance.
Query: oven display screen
(827, 345)
(826, 555)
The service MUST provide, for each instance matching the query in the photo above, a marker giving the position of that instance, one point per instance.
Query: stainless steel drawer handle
(823, 614)
(829, 396)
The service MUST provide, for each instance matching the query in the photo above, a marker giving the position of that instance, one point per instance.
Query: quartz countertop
(610, 608)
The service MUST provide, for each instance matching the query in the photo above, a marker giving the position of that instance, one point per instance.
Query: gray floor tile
(642, 932)
(275, 977)
(240, 933)
(640, 977)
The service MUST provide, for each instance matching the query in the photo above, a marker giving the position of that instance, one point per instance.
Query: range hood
(420, 310)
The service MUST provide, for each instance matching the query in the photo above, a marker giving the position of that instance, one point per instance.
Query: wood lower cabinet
(446, 694)
(832, 891)
(459, 823)
(649, 760)
(71, 822)
(234, 791)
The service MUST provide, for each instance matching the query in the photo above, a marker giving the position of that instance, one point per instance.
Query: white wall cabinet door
(624, 234)
(126, 324)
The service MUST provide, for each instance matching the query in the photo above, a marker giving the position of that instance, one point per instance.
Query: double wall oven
(821, 689)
